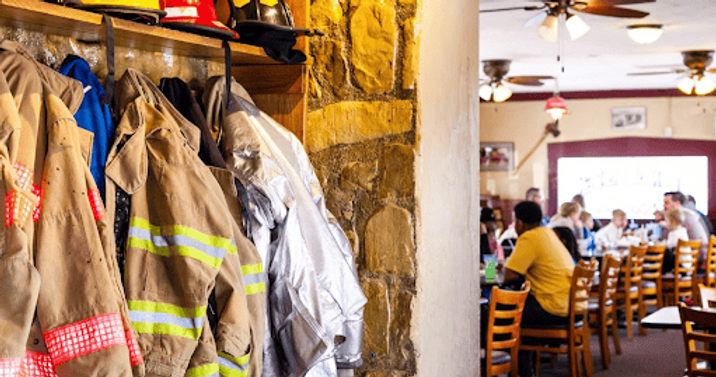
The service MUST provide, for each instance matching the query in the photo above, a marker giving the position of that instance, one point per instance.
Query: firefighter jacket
(62, 307)
(181, 241)
(315, 302)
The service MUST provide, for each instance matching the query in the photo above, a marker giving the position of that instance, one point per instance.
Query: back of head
(569, 240)
(569, 209)
(676, 196)
(533, 192)
(528, 212)
(487, 215)
(579, 199)
(618, 214)
(585, 216)
(675, 216)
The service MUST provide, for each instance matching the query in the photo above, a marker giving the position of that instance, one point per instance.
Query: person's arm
(512, 275)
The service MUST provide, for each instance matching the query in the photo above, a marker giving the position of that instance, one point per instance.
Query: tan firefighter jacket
(182, 241)
(62, 308)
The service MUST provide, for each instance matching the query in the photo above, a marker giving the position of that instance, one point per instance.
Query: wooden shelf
(86, 26)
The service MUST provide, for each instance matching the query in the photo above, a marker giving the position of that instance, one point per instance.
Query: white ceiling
(601, 59)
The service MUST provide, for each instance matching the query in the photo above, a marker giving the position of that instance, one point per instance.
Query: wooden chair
(707, 297)
(651, 281)
(692, 320)
(680, 284)
(495, 360)
(710, 276)
(602, 312)
(575, 333)
(628, 295)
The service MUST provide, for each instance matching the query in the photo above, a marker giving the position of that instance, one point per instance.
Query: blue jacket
(92, 115)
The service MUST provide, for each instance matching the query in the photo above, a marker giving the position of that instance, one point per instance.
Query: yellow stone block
(331, 65)
(373, 35)
(326, 13)
(410, 55)
(352, 122)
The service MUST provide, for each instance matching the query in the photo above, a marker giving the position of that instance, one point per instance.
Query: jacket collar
(134, 84)
(69, 90)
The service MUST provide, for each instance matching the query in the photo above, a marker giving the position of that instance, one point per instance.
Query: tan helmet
(145, 11)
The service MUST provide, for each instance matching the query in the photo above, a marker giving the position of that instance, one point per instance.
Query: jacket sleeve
(233, 334)
(19, 282)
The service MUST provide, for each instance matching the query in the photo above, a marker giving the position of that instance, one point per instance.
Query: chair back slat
(695, 324)
(707, 295)
(608, 279)
(632, 269)
(579, 290)
(511, 305)
(685, 260)
(710, 278)
(653, 262)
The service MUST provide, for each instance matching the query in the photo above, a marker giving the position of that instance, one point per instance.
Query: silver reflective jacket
(315, 303)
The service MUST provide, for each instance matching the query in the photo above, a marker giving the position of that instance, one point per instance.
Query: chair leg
(615, 334)
(642, 314)
(629, 318)
(572, 352)
(659, 298)
(578, 359)
(538, 356)
(587, 358)
(555, 356)
(603, 343)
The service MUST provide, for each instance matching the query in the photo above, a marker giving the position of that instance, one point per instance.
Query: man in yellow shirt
(540, 258)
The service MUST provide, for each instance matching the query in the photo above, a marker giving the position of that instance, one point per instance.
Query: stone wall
(51, 50)
(361, 136)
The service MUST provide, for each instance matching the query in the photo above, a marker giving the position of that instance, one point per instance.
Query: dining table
(669, 318)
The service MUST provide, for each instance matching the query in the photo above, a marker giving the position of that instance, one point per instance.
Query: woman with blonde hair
(568, 217)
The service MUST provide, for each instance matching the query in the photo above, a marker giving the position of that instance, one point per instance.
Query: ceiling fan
(696, 79)
(551, 10)
(494, 86)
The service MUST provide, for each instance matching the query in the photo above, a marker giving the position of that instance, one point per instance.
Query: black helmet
(267, 24)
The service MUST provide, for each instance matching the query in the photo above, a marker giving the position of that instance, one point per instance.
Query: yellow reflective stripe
(166, 329)
(255, 288)
(159, 307)
(186, 251)
(221, 242)
(230, 366)
(203, 371)
(147, 245)
(251, 269)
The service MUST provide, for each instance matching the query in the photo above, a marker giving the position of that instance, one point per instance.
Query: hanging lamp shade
(549, 28)
(556, 107)
(644, 34)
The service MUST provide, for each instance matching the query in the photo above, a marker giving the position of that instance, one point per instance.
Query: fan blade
(527, 80)
(610, 11)
(593, 3)
(511, 8)
(676, 71)
(536, 19)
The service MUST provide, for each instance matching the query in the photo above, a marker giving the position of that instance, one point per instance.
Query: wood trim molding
(632, 146)
(601, 94)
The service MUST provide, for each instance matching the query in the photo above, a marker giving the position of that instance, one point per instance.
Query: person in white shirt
(611, 233)
(674, 218)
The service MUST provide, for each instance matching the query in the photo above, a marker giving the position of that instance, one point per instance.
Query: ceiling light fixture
(501, 93)
(704, 86)
(556, 107)
(548, 29)
(575, 26)
(485, 92)
(644, 34)
(686, 85)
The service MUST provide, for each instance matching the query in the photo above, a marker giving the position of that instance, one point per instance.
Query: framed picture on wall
(628, 118)
(497, 156)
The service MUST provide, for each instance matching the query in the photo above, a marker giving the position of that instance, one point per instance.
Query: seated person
(487, 218)
(675, 223)
(570, 242)
(612, 232)
(540, 258)
(587, 223)
(568, 217)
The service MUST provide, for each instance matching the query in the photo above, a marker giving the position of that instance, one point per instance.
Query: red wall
(631, 147)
